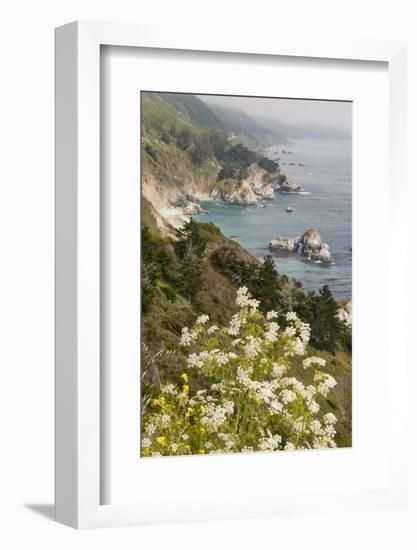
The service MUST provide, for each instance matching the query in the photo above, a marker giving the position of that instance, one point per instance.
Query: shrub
(245, 399)
(268, 165)
(169, 292)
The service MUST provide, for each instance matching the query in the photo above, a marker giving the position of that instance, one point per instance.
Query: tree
(320, 311)
(268, 290)
(201, 150)
(218, 142)
(149, 271)
(268, 165)
(190, 247)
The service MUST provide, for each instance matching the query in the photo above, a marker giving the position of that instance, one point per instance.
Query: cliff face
(258, 186)
(172, 185)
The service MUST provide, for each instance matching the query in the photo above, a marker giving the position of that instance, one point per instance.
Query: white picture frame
(78, 426)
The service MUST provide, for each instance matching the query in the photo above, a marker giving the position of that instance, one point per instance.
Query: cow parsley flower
(234, 325)
(330, 418)
(202, 320)
(270, 443)
(272, 333)
(271, 315)
(278, 370)
(290, 331)
(326, 383)
(314, 361)
(252, 347)
(187, 337)
(299, 347)
(288, 396)
(291, 316)
(243, 297)
(315, 427)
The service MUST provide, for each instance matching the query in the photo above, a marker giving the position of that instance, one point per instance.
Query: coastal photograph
(246, 274)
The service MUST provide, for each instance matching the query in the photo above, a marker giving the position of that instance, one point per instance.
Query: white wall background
(26, 267)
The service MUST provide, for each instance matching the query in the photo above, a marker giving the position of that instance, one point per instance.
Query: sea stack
(308, 245)
(313, 247)
(289, 186)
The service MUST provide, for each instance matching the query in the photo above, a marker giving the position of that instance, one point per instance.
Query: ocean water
(325, 203)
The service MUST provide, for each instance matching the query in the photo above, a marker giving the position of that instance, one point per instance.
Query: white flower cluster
(215, 415)
(234, 325)
(169, 389)
(271, 335)
(244, 299)
(271, 315)
(253, 346)
(288, 396)
(270, 443)
(278, 370)
(241, 396)
(199, 360)
(202, 320)
(330, 418)
(188, 337)
(326, 383)
(261, 391)
(212, 329)
(314, 361)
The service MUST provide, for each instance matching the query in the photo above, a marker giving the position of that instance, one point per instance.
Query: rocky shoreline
(259, 186)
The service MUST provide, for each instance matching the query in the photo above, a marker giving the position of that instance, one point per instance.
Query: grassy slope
(158, 114)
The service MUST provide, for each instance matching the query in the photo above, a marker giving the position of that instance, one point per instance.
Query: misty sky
(335, 114)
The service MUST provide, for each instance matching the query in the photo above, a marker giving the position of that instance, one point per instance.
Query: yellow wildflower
(160, 401)
(161, 440)
(201, 452)
(184, 377)
(185, 388)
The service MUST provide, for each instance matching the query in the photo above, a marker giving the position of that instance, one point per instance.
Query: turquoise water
(325, 204)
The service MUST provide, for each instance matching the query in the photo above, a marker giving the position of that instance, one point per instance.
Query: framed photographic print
(222, 209)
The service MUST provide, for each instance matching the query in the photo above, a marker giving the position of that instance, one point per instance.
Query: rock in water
(324, 255)
(312, 247)
(289, 186)
(311, 242)
(309, 245)
(284, 244)
(192, 209)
